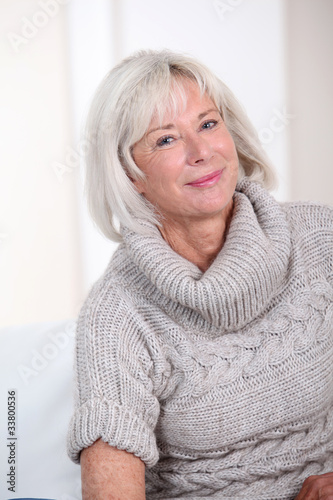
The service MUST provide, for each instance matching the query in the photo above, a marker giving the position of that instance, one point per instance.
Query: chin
(215, 206)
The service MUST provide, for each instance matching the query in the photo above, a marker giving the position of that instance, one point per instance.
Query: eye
(164, 141)
(209, 124)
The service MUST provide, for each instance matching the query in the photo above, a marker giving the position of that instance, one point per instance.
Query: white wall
(40, 272)
(310, 95)
(92, 53)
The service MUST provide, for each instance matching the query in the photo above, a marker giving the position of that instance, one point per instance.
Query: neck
(200, 240)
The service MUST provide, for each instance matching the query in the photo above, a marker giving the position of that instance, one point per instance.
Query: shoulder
(311, 222)
(307, 217)
(109, 302)
(311, 231)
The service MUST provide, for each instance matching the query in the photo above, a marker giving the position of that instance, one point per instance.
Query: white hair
(130, 94)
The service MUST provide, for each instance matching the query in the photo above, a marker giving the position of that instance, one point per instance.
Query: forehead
(184, 101)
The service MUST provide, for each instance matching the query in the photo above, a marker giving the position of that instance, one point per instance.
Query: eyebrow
(171, 125)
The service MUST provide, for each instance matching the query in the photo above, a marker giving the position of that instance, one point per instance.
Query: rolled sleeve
(114, 397)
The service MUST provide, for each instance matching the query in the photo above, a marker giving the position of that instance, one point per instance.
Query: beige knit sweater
(222, 382)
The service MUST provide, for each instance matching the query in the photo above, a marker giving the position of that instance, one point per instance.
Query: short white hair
(130, 94)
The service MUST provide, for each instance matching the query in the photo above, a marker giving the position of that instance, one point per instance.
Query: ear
(139, 185)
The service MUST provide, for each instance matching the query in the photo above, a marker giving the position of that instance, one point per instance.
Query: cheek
(232, 149)
(167, 168)
(162, 169)
(156, 182)
(226, 145)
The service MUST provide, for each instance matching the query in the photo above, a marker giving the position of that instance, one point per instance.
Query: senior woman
(204, 352)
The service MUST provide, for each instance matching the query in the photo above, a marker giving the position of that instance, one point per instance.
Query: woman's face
(190, 162)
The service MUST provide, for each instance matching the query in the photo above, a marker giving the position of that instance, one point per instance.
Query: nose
(199, 151)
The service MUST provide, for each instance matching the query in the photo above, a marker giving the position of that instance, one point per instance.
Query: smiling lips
(207, 180)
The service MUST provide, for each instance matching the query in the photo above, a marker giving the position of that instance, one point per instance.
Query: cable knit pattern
(221, 382)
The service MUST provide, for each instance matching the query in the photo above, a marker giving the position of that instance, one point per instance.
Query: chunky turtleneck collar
(245, 275)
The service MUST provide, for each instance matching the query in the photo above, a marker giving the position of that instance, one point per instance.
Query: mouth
(207, 180)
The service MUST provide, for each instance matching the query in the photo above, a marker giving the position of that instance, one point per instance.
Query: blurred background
(276, 55)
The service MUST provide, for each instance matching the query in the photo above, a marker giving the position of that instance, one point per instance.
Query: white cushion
(37, 362)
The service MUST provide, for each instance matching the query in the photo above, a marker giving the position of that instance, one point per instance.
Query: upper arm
(109, 474)
(115, 398)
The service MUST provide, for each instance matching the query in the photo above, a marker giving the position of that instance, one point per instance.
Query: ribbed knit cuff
(116, 425)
